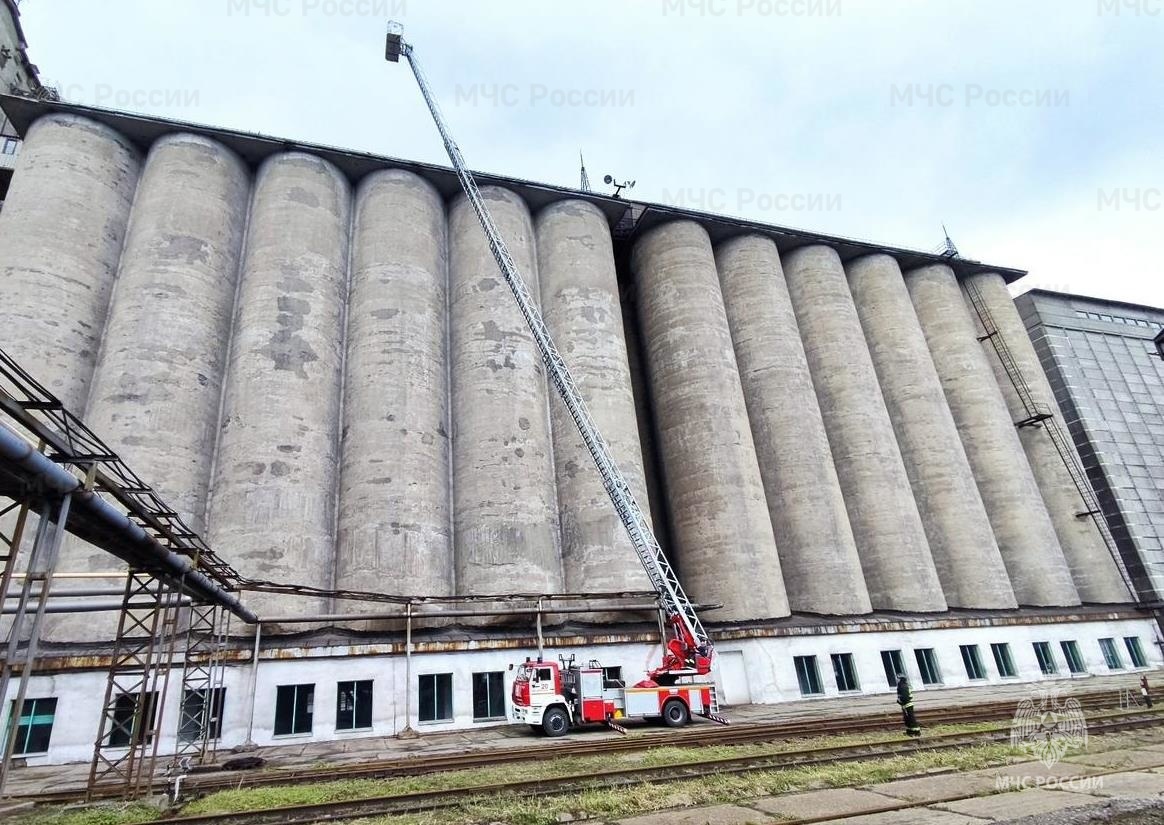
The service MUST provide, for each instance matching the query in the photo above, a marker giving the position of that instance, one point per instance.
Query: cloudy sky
(1033, 128)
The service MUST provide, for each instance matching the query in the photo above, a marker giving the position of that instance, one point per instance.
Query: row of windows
(295, 704)
(846, 679)
(1117, 319)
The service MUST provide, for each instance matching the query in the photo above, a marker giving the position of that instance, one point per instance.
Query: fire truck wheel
(555, 721)
(675, 713)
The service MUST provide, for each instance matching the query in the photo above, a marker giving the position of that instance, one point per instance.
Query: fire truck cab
(554, 697)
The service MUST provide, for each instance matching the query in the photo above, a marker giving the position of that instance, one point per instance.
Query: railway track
(533, 749)
(411, 803)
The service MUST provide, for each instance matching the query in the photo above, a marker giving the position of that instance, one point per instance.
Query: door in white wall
(732, 678)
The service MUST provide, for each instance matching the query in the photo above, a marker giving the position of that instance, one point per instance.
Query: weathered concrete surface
(719, 513)
(831, 802)
(505, 509)
(579, 296)
(61, 233)
(922, 788)
(1034, 560)
(1013, 805)
(1129, 785)
(714, 815)
(818, 555)
(158, 382)
(272, 506)
(394, 516)
(899, 571)
(1094, 571)
(961, 540)
(909, 816)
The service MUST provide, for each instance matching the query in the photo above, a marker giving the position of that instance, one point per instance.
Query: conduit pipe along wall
(127, 540)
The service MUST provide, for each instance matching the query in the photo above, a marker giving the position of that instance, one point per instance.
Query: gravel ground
(1115, 812)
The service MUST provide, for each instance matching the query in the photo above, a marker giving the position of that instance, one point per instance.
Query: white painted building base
(750, 670)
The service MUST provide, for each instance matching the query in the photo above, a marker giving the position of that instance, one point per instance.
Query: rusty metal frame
(125, 750)
(23, 640)
(202, 672)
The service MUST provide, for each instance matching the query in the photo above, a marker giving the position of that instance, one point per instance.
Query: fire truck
(551, 696)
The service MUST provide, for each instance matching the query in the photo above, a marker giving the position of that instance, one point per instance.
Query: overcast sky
(1032, 128)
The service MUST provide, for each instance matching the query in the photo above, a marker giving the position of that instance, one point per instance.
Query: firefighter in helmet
(905, 699)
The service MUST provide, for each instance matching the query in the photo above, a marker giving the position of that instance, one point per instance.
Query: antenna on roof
(585, 177)
(948, 249)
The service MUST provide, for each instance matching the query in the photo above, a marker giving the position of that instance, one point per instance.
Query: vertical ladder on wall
(1040, 415)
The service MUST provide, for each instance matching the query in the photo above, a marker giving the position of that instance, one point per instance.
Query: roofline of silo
(253, 148)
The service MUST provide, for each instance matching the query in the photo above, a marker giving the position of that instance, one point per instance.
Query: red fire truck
(553, 697)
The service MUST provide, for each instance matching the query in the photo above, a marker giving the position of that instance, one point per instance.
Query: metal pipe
(89, 591)
(87, 504)
(541, 639)
(453, 614)
(89, 607)
(249, 743)
(408, 669)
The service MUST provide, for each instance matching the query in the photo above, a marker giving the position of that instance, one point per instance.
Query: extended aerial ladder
(689, 652)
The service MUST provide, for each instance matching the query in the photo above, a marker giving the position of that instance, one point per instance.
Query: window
(195, 715)
(1110, 654)
(436, 696)
(489, 695)
(612, 677)
(1002, 659)
(130, 725)
(894, 667)
(927, 665)
(973, 662)
(353, 705)
(1135, 652)
(34, 727)
(11, 145)
(845, 672)
(294, 709)
(1046, 658)
(1073, 657)
(807, 675)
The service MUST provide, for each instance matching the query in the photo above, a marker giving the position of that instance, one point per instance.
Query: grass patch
(597, 802)
(122, 813)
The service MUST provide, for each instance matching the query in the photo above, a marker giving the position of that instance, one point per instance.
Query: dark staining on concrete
(570, 468)
(523, 422)
(380, 480)
(280, 468)
(184, 248)
(519, 452)
(427, 439)
(202, 380)
(289, 448)
(287, 349)
(300, 195)
(506, 363)
(384, 314)
(586, 240)
(486, 284)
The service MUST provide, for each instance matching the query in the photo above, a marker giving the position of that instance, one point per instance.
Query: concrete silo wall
(579, 295)
(818, 555)
(895, 555)
(722, 534)
(61, 232)
(1026, 538)
(960, 537)
(394, 520)
(272, 509)
(505, 513)
(1094, 571)
(158, 382)
(830, 439)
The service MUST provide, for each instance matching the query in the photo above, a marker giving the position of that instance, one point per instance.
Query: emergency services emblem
(1048, 727)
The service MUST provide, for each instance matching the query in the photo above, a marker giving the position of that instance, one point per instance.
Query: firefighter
(1144, 691)
(905, 699)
